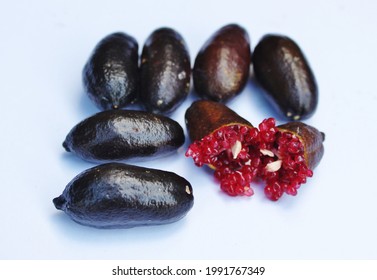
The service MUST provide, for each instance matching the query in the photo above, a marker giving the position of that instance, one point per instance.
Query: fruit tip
(65, 146)
(59, 202)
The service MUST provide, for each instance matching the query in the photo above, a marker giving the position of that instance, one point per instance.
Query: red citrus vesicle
(241, 154)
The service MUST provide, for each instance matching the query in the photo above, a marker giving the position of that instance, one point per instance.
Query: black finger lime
(284, 72)
(116, 195)
(221, 68)
(111, 74)
(124, 134)
(165, 71)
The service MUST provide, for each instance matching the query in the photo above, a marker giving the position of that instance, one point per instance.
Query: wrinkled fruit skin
(283, 71)
(282, 156)
(124, 134)
(116, 195)
(165, 71)
(111, 74)
(221, 67)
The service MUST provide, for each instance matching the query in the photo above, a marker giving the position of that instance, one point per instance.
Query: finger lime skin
(284, 72)
(165, 71)
(221, 68)
(111, 74)
(124, 134)
(116, 195)
(203, 117)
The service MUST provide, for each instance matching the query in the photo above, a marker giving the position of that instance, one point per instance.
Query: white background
(44, 45)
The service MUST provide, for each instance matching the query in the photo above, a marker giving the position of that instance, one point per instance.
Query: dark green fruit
(165, 71)
(116, 195)
(111, 75)
(221, 67)
(283, 71)
(124, 134)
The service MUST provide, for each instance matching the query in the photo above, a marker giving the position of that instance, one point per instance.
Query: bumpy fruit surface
(165, 71)
(221, 68)
(282, 156)
(116, 195)
(124, 134)
(111, 74)
(283, 71)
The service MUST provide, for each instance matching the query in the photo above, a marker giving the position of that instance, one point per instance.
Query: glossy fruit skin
(117, 195)
(165, 71)
(221, 68)
(111, 74)
(205, 116)
(283, 71)
(124, 134)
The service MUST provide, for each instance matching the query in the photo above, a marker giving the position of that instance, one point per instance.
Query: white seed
(274, 166)
(236, 149)
(266, 152)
